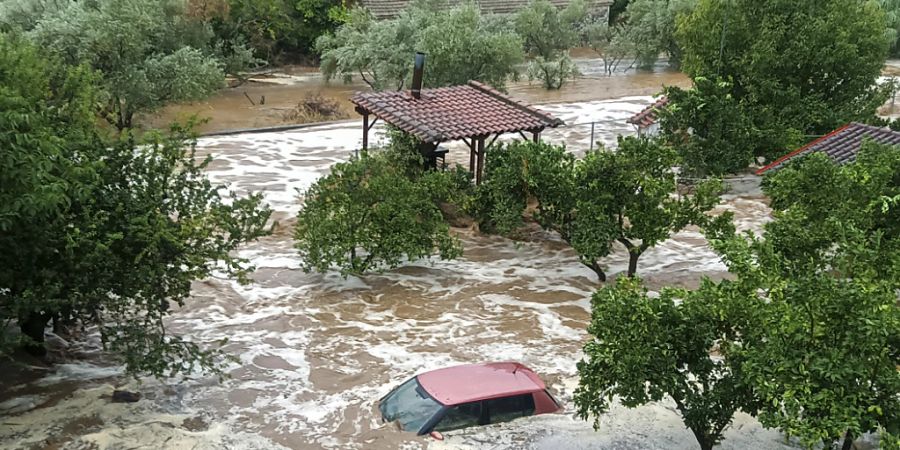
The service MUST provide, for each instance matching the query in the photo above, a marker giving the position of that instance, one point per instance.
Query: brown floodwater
(240, 107)
(314, 352)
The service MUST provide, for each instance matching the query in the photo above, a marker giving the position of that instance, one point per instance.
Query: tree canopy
(644, 348)
(100, 232)
(548, 33)
(709, 127)
(650, 28)
(461, 44)
(805, 334)
(375, 211)
(822, 345)
(791, 87)
(148, 53)
(630, 196)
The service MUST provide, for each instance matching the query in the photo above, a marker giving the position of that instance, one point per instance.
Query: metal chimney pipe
(418, 71)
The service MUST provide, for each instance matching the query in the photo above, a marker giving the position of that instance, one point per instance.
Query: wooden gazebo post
(365, 131)
(480, 170)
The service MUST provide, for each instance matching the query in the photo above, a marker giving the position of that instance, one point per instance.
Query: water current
(315, 352)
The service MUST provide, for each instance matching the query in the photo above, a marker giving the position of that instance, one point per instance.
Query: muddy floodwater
(264, 101)
(314, 352)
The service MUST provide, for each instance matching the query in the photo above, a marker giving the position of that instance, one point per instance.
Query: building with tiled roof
(841, 145)
(647, 121)
(388, 9)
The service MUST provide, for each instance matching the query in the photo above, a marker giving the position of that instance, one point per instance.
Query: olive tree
(372, 213)
(461, 44)
(650, 28)
(630, 196)
(105, 234)
(149, 53)
(548, 34)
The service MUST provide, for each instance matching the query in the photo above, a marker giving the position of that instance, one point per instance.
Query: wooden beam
(493, 140)
(480, 173)
(537, 136)
(523, 135)
(365, 132)
(472, 153)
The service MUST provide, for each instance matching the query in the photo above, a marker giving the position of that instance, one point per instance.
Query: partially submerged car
(465, 396)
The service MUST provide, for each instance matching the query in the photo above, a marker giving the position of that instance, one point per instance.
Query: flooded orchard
(313, 353)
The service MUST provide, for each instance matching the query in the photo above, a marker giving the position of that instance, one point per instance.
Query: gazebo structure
(472, 113)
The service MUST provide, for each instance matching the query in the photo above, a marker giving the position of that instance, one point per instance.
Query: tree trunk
(848, 441)
(705, 442)
(33, 325)
(596, 268)
(632, 263)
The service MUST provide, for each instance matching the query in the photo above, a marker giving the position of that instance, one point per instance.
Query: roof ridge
(554, 121)
(801, 149)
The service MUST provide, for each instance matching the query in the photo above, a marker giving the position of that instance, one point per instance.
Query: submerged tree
(630, 196)
(646, 348)
(824, 344)
(105, 233)
(373, 212)
(461, 43)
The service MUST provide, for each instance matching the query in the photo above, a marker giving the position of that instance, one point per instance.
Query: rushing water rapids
(314, 352)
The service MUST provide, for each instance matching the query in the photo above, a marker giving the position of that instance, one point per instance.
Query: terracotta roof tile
(840, 145)
(648, 116)
(452, 113)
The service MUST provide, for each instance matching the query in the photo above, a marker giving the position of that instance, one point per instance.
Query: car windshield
(409, 405)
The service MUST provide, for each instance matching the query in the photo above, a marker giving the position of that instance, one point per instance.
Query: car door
(462, 416)
(505, 409)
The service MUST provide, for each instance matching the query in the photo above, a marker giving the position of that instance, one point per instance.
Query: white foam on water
(21, 404)
(315, 351)
(79, 372)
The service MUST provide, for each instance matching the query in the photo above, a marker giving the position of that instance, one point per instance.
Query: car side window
(461, 416)
(509, 408)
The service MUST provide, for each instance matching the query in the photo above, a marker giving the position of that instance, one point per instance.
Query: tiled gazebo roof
(840, 145)
(649, 115)
(453, 113)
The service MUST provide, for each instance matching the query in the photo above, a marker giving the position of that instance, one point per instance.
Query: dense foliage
(548, 33)
(461, 44)
(105, 233)
(281, 29)
(708, 127)
(630, 196)
(375, 211)
(790, 87)
(650, 28)
(823, 346)
(644, 348)
(806, 334)
(148, 53)
(892, 17)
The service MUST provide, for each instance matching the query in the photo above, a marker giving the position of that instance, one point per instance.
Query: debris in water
(125, 396)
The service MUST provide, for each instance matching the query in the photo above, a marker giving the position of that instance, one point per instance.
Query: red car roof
(473, 382)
